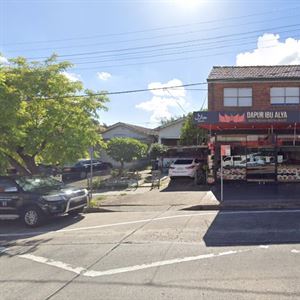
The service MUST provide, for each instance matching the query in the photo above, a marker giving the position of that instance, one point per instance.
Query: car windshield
(31, 184)
(183, 162)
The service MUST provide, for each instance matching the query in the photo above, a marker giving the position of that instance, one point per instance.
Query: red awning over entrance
(249, 126)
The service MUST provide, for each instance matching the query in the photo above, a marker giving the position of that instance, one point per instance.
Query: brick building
(254, 116)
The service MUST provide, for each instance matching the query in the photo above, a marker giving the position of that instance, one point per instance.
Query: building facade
(253, 120)
(169, 134)
(125, 130)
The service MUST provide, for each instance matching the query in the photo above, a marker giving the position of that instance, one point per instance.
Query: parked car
(234, 161)
(33, 199)
(82, 169)
(184, 167)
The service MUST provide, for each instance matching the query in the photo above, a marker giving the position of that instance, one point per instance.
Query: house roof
(169, 124)
(231, 73)
(139, 129)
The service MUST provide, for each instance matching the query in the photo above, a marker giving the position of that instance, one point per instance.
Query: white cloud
(103, 75)
(271, 51)
(3, 60)
(164, 104)
(71, 76)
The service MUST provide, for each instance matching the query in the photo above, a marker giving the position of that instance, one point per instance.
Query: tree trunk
(30, 164)
(29, 161)
(20, 169)
(122, 168)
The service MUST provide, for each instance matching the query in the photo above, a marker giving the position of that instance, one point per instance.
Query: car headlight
(54, 198)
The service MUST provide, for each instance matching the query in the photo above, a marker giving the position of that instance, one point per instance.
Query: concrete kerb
(216, 207)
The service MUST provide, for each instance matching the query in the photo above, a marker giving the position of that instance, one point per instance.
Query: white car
(186, 167)
(234, 161)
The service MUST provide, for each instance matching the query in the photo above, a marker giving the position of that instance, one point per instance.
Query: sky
(128, 45)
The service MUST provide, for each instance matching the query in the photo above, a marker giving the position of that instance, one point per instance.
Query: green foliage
(126, 150)
(43, 120)
(157, 150)
(191, 134)
(3, 164)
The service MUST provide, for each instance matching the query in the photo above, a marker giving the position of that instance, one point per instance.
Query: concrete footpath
(184, 197)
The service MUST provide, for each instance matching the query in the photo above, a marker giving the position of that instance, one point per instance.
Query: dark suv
(82, 169)
(36, 198)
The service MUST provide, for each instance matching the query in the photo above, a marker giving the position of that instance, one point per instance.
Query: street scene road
(157, 254)
(149, 150)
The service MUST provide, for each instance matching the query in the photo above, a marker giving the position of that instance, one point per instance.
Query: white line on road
(91, 273)
(53, 263)
(295, 251)
(2, 249)
(158, 264)
(148, 220)
(264, 246)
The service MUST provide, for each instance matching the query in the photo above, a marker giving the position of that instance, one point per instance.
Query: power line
(150, 38)
(184, 111)
(173, 53)
(128, 91)
(168, 44)
(167, 60)
(272, 11)
(180, 47)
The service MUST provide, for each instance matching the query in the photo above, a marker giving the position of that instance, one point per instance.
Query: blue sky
(192, 35)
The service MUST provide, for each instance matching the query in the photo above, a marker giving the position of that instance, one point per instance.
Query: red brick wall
(260, 95)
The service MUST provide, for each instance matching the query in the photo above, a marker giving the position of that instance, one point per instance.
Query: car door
(10, 196)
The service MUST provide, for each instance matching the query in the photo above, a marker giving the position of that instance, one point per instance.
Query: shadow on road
(183, 184)
(13, 231)
(246, 191)
(254, 228)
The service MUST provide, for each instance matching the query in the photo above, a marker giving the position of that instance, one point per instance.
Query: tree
(167, 121)
(191, 134)
(156, 150)
(126, 150)
(43, 117)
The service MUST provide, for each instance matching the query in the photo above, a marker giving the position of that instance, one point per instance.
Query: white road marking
(91, 273)
(295, 251)
(264, 246)
(148, 220)
(53, 263)
(158, 264)
(2, 249)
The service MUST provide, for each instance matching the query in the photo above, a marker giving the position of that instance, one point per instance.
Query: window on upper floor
(241, 97)
(285, 95)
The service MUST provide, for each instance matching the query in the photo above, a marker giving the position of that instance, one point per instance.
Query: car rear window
(183, 162)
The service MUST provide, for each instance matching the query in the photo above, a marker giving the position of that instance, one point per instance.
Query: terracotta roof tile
(254, 72)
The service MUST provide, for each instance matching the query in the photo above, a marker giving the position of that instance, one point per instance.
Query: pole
(222, 178)
(91, 172)
(295, 132)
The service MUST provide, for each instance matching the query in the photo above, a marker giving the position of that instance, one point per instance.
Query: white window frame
(285, 98)
(237, 97)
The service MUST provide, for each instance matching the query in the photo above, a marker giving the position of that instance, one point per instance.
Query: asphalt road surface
(154, 255)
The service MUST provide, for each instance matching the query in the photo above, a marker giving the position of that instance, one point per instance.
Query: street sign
(225, 150)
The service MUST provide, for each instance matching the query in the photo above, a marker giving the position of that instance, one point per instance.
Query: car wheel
(76, 212)
(83, 175)
(32, 216)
